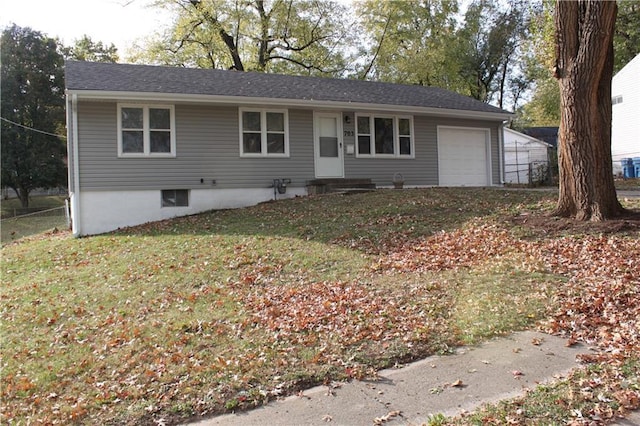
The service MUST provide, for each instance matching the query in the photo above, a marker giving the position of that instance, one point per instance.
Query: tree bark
(584, 68)
(23, 196)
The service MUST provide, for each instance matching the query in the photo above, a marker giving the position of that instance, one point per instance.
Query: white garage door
(462, 157)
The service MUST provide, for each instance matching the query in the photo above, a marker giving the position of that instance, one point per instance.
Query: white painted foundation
(97, 212)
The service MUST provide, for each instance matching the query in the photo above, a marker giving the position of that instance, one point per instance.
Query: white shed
(625, 126)
(523, 155)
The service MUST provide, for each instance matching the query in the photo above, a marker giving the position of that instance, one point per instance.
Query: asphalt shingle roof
(93, 76)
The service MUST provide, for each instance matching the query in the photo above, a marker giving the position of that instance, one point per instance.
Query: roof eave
(282, 102)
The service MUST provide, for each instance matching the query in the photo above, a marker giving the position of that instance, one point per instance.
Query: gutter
(501, 152)
(75, 200)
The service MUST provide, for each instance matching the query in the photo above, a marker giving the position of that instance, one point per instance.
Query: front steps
(329, 185)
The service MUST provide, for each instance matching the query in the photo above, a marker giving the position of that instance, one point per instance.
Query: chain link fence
(24, 222)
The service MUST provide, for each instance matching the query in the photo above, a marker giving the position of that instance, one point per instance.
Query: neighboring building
(148, 143)
(548, 135)
(526, 158)
(625, 126)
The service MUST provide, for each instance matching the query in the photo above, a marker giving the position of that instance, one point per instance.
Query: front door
(328, 145)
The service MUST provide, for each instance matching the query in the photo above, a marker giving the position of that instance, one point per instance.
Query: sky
(120, 22)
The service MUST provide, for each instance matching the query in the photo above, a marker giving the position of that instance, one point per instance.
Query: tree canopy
(408, 42)
(283, 36)
(32, 110)
(626, 39)
(85, 49)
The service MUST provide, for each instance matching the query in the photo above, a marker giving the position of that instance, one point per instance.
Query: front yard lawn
(228, 309)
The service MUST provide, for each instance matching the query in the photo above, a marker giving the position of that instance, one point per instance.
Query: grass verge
(52, 217)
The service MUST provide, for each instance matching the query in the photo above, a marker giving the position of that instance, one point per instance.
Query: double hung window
(146, 130)
(384, 136)
(264, 133)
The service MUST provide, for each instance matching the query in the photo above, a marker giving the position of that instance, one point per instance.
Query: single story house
(524, 155)
(148, 143)
(625, 124)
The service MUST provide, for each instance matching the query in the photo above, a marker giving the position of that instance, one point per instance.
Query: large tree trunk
(584, 67)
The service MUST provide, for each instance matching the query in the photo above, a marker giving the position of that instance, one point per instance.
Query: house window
(175, 198)
(616, 100)
(146, 130)
(384, 136)
(264, 133)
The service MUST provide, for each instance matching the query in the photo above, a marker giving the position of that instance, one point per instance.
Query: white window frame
(396, 136)
(263, 133)
(146, 131)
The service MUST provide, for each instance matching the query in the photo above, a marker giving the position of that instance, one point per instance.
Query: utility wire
(32, 129)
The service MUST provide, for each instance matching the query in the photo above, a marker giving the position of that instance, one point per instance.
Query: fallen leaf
(571, 342)
(537, 342)
(390, 415)
(457, 384)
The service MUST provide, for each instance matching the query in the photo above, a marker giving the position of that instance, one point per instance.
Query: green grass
(15, 228)
(628, 184)
(41, 202)
(228, 309)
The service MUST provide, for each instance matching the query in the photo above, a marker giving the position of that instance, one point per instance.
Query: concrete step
(323, 186)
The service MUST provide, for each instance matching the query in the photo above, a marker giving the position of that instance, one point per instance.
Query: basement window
(175, 198)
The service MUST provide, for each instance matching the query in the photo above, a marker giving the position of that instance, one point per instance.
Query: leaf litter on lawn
(225, 310)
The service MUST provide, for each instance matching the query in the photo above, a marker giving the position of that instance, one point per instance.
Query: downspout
(75, 199)
(501, 152)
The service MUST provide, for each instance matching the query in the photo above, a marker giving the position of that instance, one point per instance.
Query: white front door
(328, 145)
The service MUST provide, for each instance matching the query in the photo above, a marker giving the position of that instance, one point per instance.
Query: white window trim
(146, 132)
(263, 133)
(396, 136)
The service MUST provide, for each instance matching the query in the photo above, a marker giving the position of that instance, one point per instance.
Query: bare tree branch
(363, 76)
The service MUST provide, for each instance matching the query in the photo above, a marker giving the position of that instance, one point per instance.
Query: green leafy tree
(422, 42)
(284, 36)
(543, 108)
(32, 109)
(626, 40)
(85, 49)
(489, 50)
(409, 42)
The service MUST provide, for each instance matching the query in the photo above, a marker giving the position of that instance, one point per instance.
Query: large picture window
(264, 133)
(384, 136)
(146, 130)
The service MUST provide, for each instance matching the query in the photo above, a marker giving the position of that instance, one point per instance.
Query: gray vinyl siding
(207, 148)
(423, 169)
